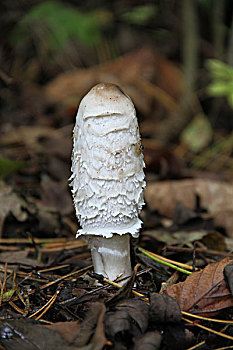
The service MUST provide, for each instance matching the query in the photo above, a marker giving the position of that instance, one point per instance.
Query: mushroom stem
(111, 256)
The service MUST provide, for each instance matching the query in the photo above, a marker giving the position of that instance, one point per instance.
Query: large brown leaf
(134, 72)
(204, 292)
(215, 197)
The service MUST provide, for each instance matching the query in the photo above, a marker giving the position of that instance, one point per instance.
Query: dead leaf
(149, 341)
(28, 335)
(215, 197)
(92, 328)
(125, 291)
(133, 72)
(213, 240)
(18, 257)
(11, 202)
(183, 215)
(68, 330)
(52, 146)
(164, 309)
(224, 218)
(174, 336)
(204, 292)
(56, 195)
(128, 318)
(228, 273)
(30, 136)
(160, 160)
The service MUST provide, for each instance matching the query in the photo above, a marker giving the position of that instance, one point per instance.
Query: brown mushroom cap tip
(109, 87)
(105, 99)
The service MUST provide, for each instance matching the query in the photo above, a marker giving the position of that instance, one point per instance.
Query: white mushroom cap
(107, 165)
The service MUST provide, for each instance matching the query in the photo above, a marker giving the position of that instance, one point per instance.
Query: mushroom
(107, 177)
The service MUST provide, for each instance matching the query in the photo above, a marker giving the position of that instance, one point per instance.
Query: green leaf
(197, 134)
(139, 15)
(230, 99)
(219, 69)
(8, 166)
(56, 24)
(218, 89)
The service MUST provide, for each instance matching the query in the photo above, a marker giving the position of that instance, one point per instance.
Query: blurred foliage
(221, 84)
(59, 23)
(8, 166)
(198, 134)
(139, 15)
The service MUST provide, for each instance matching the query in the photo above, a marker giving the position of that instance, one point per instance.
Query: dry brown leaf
(68, 330)
(56, 195)
(161, 160)
(11, 202)
(133, 72)
(164, 309)
(18, 257)
(203, 292)
(92, 328)
(128, 318)
(149, 341)
(30, 136)
(27, 335)
(215, 197)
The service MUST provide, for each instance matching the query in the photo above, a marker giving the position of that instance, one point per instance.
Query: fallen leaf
(28, 335)
(18, 257)
(174, 336)
(30, 136)
(160, 160)
(214, 196)
(92, 328)
(228, 273)
(182, 214)
(125, 291)
(128, 318)
(213, 240)
(133, 72)
(164, 309)
(12, 203)
(68, 330)
(56, 195)
(204, 292)
(149, 341)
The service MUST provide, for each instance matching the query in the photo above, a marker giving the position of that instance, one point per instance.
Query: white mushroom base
(111, 256)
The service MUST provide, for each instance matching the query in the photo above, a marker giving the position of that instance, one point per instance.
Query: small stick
(198, 250)
(185, 266)
(206, 318)
(164, 262)
(208, 329)
(45, 307)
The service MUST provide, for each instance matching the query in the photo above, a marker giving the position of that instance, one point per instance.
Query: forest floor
(180, 293)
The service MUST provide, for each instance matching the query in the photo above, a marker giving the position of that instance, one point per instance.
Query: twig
(206, 318)
(45, 307)
(208, 329)
(143, 251)
(198, 250)
(196, 346)
(185, 266)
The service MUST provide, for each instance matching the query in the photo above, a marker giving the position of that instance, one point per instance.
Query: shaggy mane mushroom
(107, 177)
